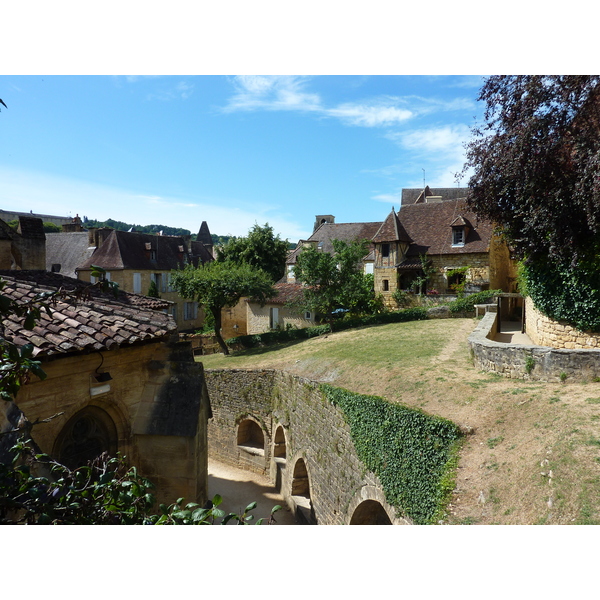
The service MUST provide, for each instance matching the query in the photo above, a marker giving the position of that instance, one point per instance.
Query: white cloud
(393, 199)
(448, 139)
(370, 116)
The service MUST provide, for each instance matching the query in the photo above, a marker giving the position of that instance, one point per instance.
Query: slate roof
(69, 250)
(327, 232)
(430, 228)
(414, 195)
(100, 322)
(132, 250)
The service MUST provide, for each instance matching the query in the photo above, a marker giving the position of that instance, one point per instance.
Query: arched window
(300, 482)
(86, 435)
(370, 512)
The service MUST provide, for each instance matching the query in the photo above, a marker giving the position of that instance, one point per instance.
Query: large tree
(217, 285)
(536, 174)
(261, 248)
(336, 280)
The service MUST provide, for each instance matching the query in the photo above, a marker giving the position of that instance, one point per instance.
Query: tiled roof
(286, 292)
(429, 226)
(31, 227)
(391, 230)
(100, 322)
(143, 251)
(414, 195)
(69, 250)
(348, 232)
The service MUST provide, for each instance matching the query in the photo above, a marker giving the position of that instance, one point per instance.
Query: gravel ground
(239, 488)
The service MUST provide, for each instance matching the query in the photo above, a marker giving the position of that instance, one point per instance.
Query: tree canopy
(217, 285)
(335, 280)
(536, 174)
(536, 163)
(261, 248)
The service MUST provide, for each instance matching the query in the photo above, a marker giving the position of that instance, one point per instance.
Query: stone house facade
(135, 260)
(118, 380)
(24, 248)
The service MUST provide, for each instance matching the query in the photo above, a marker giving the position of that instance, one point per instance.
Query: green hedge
(271, 337)
(413, 454)
(468, 303)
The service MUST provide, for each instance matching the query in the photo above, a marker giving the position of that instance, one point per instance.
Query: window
(174, 311)
(308, 315)
(137, 283)
(385, 250)
(458, 236)
(56, 268)
(386, 285)
(190, 311)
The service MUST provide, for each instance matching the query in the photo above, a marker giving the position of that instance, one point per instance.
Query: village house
(136, 260)
(444, 235)
(118, 380)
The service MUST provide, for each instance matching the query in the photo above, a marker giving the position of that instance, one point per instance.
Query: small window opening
(385, 250)
(386, 285)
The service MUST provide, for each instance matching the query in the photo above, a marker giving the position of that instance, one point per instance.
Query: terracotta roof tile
(97, 323)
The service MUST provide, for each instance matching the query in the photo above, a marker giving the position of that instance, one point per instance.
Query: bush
(468, 303)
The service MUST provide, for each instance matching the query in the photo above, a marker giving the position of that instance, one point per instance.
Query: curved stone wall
(332, 483)
(520, 361)
(556, 334)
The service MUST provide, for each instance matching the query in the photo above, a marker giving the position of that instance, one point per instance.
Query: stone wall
(556, 334)
(259, 318)
(156, 402)
(533, 362)
(312, 433)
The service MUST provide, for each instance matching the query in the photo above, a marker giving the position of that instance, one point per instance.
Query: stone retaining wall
(556, 334)
(315, 432)
(520, 361)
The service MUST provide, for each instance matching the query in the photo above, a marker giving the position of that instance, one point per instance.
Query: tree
(536, 174)
(260, 248)
(221, 284)
(335, 280)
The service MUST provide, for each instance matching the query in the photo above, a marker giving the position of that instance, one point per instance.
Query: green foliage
(564, 291)
(529, 364)
(51, 227)
(153, 290)
(468, 303)
(412, 453)
(121, 226)
(459, 285)
(217, 285)
(36, 490)
(336, 280)
(260, 249)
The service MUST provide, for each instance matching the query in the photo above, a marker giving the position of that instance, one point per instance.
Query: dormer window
(458, 236)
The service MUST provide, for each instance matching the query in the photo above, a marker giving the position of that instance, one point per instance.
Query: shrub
(468, 303)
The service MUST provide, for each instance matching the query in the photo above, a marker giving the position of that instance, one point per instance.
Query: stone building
(119, 380)
(24, 248)
(135, 260)
(456, 245)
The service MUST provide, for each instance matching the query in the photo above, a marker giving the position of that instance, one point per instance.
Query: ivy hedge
(565, 292)
(286, 335)
(413, 454)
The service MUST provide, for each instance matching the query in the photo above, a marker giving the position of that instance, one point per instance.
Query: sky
(230, 150)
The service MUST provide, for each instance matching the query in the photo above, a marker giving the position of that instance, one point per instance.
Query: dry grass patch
(534, 452)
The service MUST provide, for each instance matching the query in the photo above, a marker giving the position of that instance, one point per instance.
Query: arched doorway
(86, 435)
(370, 512)
(300, 482)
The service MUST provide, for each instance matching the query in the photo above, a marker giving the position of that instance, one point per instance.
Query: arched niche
(370, 512)
(300, 480)
(279, 444)
(251, 436)
(85, 436)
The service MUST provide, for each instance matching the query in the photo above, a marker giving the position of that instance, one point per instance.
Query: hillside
(533, 454)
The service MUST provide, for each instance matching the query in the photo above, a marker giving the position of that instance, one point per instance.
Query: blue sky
(177, 150)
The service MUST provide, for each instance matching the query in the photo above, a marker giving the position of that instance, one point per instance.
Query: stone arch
(370, 512)
(251, 435)
(87, 434)
(300, 480)
(279, 443)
